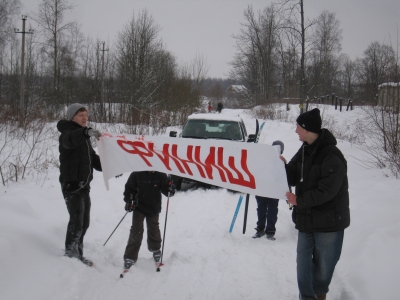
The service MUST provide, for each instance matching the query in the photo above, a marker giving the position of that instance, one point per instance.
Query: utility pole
(102, 79)
(303, 74)
(21, 102)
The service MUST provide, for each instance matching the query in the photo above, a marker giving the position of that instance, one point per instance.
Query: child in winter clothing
(267, 211)
(142, 195)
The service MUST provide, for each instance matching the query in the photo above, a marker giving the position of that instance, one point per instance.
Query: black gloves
(129, 207)
(171, 189)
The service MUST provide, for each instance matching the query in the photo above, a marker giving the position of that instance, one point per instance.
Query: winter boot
(157, 255)
(128, 263)
(259, 233)
(321, 297)
(270, 235)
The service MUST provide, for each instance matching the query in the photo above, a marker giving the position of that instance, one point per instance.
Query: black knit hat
(310, 120)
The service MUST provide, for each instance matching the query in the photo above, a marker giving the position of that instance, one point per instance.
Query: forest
(137, 85)
(281, 55)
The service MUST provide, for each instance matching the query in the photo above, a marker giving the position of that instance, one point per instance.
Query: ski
(236, 213)
(123, 273)
(158, 265)
(246, 207)
(259, 133)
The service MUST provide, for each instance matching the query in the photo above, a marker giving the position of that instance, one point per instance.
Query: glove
(94, 132)
(171, 189)
(129, 206)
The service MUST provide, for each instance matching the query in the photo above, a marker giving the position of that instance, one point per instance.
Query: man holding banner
(321, 204)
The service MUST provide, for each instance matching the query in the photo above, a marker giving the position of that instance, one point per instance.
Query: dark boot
(321, 297)
(259, 233)
(128, 263)
(157, 255)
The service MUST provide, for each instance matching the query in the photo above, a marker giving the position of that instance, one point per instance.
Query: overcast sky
(206, 27)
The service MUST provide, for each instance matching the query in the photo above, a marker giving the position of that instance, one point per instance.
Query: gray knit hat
(73, 109)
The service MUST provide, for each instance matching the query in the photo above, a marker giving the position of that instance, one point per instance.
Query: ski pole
(116, 227)
(246, 207)
(163, 240)
(236, 213)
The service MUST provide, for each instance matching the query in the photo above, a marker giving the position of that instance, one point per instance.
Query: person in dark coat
(219, 107)
(142, 195)
(77, 161)
(321, 204)
(267, 210)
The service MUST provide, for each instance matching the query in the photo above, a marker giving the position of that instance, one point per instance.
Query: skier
(210, 108)
(321, 204)
(267, 211)
(142, 195)
(219, 107)
(77, 160)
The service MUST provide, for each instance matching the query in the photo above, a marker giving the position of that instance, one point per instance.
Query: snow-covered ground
(202, 259)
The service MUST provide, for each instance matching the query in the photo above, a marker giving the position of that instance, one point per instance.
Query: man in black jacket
(77, 160)
(321, 205)
(143, 196)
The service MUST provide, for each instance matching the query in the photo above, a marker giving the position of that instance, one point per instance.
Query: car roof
(216, 117)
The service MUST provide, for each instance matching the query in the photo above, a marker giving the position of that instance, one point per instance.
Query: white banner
(245, 167)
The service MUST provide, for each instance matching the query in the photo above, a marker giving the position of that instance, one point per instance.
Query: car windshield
(212, 129)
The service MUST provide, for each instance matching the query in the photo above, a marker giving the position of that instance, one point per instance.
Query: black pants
(267, 213)
(78, 205)
(136, 235)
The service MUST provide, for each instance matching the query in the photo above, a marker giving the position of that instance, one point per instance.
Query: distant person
(210, 108)
(142, 195)
(219, 107)
(321, 204)
(77, 161)
(267, 211)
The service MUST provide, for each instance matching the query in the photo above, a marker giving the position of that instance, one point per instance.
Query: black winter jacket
(319, 172)
(77, 157)
(145, 188)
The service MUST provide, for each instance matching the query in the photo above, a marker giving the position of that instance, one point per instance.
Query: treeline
(131, 82)
(280, 54)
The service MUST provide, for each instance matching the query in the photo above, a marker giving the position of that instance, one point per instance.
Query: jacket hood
(325, 138)
(65, 124)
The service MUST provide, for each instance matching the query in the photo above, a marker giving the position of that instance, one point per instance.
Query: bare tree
(8, 9)
(376, 67)
(326, 46)
(50, 19)
(255, 61)
(298, 26)
(348, 73)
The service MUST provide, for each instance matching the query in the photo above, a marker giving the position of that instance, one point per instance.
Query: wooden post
(348, 104)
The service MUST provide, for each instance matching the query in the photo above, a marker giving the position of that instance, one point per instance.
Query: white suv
(210, 126)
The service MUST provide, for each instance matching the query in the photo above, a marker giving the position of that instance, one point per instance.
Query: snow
(202, 259)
